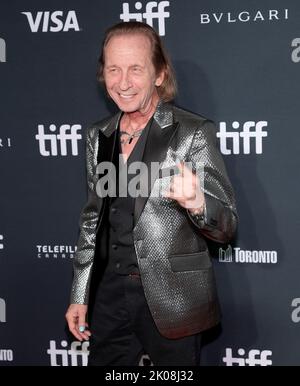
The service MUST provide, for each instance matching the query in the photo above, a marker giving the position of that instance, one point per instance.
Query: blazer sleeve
(219, 219)
(84, 256)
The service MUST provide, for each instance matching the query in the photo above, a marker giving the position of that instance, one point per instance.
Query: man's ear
(160, 78)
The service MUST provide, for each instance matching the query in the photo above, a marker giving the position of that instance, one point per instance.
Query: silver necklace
(128, 140)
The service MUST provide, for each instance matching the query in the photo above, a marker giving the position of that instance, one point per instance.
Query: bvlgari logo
(245, 16)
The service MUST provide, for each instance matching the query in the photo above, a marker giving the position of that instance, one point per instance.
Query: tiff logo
(62, 138)
(254, 358)
(149, 15)
(296, 312)
(61, 357)
(1, 245)
(296, 51)
(52, 21)
(2, 51)
(2, 311)
(251, 132)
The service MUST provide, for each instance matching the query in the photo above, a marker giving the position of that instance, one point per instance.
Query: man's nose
(125, 82)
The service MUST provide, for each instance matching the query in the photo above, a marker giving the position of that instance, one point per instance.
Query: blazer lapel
(107, 140)
(106, 150)
(160, 135)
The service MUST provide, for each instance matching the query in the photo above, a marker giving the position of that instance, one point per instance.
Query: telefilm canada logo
(252, 358)
(245, 16)
(245, 138)
(56, 251)
(56, 144)
(296, 50)
(2, 51)
(238, 255)
(154, 10)
(52, 21)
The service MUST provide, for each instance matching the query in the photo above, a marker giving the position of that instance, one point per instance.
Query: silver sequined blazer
(170, 244)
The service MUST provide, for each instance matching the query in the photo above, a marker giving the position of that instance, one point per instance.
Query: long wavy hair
(160, 59)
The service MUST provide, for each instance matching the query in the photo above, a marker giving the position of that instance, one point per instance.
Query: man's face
(129, 74)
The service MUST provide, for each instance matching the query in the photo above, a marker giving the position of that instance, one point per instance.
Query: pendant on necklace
(136, 134)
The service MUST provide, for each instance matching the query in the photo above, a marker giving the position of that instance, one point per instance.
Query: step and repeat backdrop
(238, 63)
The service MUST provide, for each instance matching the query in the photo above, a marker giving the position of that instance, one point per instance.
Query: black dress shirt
(121, 253)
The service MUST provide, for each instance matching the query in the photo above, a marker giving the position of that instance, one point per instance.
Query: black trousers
(123, 329)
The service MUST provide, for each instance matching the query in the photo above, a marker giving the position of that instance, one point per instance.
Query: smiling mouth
(126, 96)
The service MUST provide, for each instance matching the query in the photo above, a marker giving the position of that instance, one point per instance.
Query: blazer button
(114, 246)
(118, 265)
(113, 210)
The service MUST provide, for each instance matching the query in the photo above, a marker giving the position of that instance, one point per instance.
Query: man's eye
(112, 70)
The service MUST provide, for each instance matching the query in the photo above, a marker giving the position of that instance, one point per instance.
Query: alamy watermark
(115, 182)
